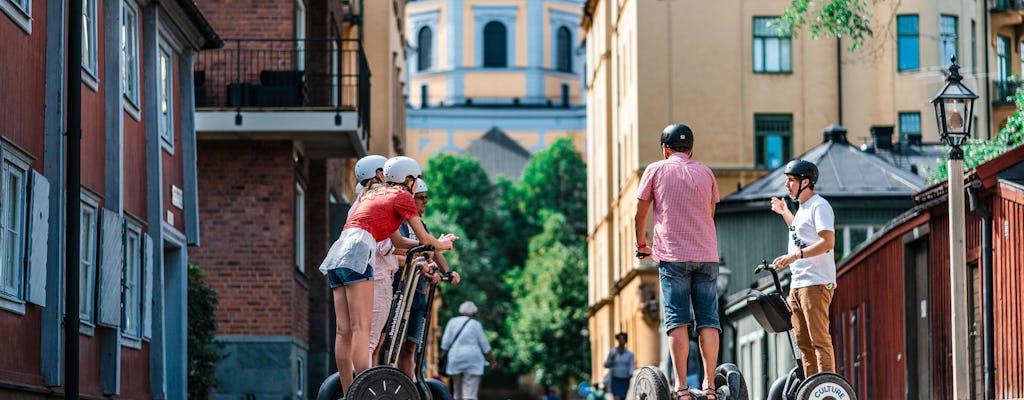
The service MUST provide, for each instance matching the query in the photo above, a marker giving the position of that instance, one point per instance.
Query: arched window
(495, 45)
(564, 50)
(424, 49)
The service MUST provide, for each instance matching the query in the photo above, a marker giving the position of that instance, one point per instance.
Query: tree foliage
(850, 19)
(459, 188)
(203, 350)
(555, 179)
(551, 300)
(977, 152)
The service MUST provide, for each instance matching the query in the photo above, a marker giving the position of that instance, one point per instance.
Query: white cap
(421, 186)
(401, 167)
(366, 167)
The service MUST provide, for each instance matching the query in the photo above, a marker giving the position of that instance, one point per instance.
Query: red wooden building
(891, 313)
(138, 204)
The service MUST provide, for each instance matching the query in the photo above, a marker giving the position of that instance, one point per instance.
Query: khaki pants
(810, 322)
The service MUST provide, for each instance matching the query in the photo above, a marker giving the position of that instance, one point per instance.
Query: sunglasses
(420, 197)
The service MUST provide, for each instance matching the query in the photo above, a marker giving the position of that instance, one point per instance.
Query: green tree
(203, 349)
(850, 19)
(460, 189)
(555, 179)
(551, 301)
(976, 152)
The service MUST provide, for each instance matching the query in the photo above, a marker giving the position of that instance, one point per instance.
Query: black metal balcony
(285, 74)
(1003, 90)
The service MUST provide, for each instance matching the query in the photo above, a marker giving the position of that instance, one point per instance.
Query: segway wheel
(826, 386)
(330, 389)
(730, 383)
(438, 391)
(649, 384)
(383, 383)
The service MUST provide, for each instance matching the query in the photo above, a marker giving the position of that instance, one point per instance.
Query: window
(974, 46)
(12, 229)
(948, 39)
(300, 378)
(910, 125)
(130, 53)
(300, 35)
(907, 43)
(772, 136)
(166, 98)
(424, 96)
(131, 317)
(424, 49)
(87, 261)
(300, 228)
(848, 237)
(1002, 58)
(89, 48)
(495, 45)
(564, 50)
(772, 47)
(20, 11)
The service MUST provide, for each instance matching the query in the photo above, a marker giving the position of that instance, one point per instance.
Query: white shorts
(382, 291)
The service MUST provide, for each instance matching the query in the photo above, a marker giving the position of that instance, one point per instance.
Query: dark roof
(844, 171)
(920, 159)
(499, 155)
(211, 40)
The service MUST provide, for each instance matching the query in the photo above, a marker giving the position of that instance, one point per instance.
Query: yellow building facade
(505, 74)
(755, 97)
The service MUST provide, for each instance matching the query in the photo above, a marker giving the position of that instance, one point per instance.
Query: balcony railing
(1003, 91)
(285, 74)
(1004, 5)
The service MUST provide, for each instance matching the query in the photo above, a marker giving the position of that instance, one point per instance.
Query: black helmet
(802, 169)
(677, 137)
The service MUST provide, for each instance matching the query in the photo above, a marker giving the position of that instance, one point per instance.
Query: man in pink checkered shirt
(683, 193)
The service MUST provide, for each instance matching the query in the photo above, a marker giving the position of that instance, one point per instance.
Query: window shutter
(147, 291)
(38, 222)
(111, 269)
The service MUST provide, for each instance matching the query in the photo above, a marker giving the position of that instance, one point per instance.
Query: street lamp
(954, 108)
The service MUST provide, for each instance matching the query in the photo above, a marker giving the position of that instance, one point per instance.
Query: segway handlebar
(764, 266)
(418, 249)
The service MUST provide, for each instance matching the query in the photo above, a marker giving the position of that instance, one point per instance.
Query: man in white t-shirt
(812, 263)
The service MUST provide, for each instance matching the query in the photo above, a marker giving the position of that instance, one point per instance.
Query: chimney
(882, 135)
(834, 133)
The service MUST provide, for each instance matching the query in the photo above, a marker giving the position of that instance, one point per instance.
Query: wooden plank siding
(939, 306)
(1008, 279)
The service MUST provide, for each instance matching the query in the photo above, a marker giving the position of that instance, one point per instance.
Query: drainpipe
(986, 287)
(988, 78)
(839, 76)
(74, 194)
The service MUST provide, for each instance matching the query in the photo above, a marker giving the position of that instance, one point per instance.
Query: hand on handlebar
(643, 252)
(784, 260)
(455, 277)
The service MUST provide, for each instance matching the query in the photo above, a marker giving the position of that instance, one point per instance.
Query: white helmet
(401, 167)
(359, 189)
(421, 186)
(366, 167)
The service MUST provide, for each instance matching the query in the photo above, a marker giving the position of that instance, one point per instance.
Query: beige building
(756, 98)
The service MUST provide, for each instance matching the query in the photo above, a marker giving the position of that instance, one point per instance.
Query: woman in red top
(349, 263)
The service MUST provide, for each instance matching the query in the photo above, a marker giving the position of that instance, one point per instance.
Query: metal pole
(958, 277)
(73, 199)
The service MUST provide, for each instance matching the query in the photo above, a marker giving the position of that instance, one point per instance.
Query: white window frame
(130, 84)
(165, 104)
(844, 230)
(131, 278)
(300, 228)
(90, 43)
(300, 35)
(21, 14)
(88, 261)
(13, 296)
(948, 41)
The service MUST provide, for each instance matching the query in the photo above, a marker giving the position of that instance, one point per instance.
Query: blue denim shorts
(344, 276)
(689, 291)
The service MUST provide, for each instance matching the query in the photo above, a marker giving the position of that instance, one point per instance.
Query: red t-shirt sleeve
(405, 207)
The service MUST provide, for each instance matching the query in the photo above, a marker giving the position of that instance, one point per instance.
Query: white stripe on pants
(465, 386)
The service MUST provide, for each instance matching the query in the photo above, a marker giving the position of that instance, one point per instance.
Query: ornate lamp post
(954, 112)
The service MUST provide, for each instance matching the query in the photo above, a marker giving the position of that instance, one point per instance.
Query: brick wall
(246, 198)
(263, 19)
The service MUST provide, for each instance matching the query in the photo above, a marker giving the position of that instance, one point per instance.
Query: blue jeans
(689, 290)
(343, 276)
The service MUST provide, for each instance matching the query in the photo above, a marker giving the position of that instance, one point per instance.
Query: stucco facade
(755, 98)
(513, 65)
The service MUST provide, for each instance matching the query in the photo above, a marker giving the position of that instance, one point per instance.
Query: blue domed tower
(494, 79)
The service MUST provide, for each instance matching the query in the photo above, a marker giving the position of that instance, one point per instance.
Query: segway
(772, 312)
(649, 383)
(386, 381)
